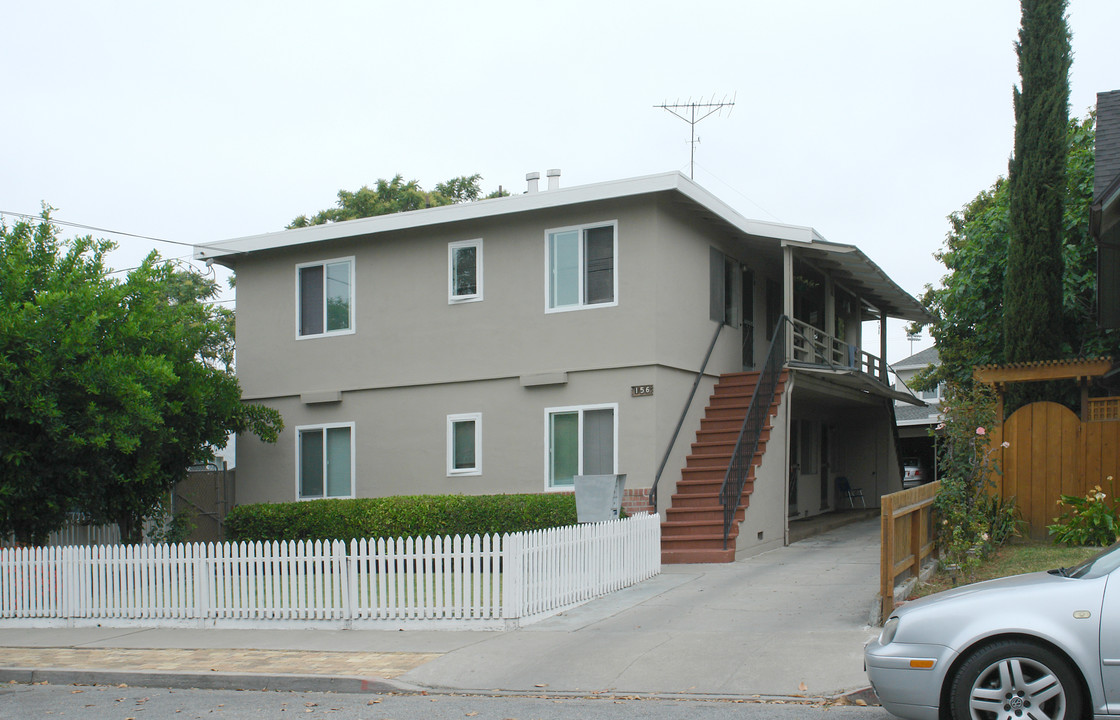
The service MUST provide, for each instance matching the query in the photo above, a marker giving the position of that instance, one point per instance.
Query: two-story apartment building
(507, 345)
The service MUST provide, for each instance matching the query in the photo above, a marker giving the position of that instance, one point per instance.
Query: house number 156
(641, 390)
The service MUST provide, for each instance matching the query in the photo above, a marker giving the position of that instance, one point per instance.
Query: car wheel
(1015, 679)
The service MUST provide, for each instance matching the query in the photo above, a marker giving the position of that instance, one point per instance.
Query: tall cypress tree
(1032, 301)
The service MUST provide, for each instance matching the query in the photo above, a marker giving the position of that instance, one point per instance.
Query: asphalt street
(19, 702)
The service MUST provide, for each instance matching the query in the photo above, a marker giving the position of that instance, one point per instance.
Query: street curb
(355, 684)
(207, 681)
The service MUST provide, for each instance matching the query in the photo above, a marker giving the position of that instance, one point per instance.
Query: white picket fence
(487, 581)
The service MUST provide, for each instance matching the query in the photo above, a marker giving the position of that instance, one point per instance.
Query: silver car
(914, 473)
(1042, 645)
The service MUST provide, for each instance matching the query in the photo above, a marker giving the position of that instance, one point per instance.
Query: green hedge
(402, 516)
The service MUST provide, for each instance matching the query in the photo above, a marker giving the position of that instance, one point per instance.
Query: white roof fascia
(880, 276)
(913, 366)
(931, 420)
(504, 206)
(779, 231)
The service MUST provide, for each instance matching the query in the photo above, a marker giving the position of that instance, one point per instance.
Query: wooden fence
(907, 538)
(479, 582)
(1052, 453)
(75, 532)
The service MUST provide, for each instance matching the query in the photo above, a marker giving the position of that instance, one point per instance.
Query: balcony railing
(811, 345)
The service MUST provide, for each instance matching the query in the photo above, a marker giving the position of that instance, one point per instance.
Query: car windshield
(1101, 564)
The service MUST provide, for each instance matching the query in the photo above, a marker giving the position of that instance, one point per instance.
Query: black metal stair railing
(758, 415)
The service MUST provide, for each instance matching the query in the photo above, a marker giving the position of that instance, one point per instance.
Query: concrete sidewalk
(791, 622)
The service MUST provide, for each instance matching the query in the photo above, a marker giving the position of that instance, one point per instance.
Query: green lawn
(1015, 558)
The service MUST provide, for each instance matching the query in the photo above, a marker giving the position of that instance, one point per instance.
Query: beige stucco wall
(414, 358)
(400, 435)
(406, 332)
(764, 522)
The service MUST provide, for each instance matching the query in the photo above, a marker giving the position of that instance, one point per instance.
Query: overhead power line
(94, 228)
(82, 226)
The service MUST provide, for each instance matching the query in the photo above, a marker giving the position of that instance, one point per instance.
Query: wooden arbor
(1000, 376)
(1052, 451)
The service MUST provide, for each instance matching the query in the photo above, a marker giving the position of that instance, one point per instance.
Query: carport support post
(787, 296)
(883, 347)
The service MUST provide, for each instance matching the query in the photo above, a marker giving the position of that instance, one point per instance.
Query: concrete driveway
(792, 621)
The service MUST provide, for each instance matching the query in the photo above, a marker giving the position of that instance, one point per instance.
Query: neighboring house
(914, 421)
(507, 345)
(1104, 214)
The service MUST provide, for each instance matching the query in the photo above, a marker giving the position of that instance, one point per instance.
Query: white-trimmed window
(325, 461)
(464, 271)
(934, 394)
(580, 267)
(580, 440)
(464, 444)
(325, 298)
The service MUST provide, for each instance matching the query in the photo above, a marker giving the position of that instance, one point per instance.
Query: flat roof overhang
(857, 381)
(847, 263)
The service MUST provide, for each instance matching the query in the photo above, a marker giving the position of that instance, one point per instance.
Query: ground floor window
(325, 461)
(581, 440)
(464, 444)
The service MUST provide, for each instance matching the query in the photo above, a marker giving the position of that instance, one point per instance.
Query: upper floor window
(464, 271)
(325, 461)
(580, 268)
(934, 394)
(326, 297)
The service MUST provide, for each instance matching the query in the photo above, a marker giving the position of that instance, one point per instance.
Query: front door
(748, 319)
(794, 436)
(824, 467)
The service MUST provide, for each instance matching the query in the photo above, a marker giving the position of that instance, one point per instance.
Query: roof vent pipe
(533, 178)
(553, 179)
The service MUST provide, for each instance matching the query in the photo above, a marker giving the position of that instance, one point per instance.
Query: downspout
(790, 381)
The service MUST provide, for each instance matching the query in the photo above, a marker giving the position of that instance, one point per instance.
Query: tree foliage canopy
(394, 196)
(109, 388)
(968, 305)
(1036, 184)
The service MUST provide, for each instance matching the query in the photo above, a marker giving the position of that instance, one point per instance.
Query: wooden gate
(1053, 453)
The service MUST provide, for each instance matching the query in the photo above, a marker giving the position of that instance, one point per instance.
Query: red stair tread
(693, 529)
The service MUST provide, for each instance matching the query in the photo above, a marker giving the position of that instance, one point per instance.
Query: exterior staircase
(693, 528)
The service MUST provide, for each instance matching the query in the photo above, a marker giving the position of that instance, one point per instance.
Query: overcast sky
(194, 122)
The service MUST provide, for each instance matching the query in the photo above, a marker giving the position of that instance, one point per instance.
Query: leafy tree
(968, 304)
(109, 388)
(1032, 313)
(394, 196)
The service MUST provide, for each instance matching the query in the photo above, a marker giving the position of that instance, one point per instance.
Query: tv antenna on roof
(688, 112)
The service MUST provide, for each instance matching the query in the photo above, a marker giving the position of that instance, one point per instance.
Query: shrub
(1090, 520)
(401, 516)
(973, 519)
(172, 528)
